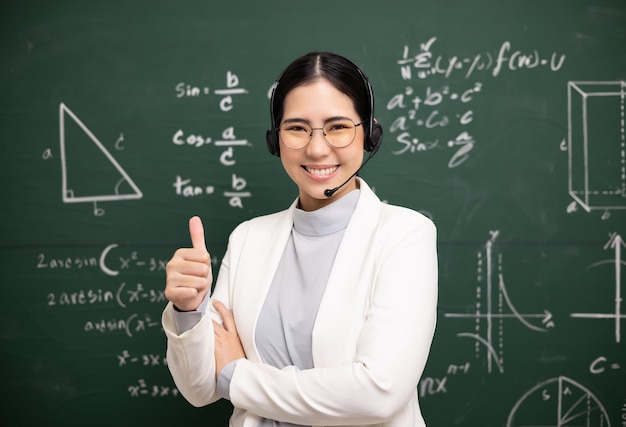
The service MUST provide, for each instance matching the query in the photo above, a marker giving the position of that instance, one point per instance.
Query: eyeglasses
(338, 133)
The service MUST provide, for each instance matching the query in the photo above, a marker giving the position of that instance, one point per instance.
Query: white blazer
(371, 337)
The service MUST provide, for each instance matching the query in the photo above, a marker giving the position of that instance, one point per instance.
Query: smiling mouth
(321, 172)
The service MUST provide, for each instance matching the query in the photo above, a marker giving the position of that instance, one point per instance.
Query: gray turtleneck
(285, 326)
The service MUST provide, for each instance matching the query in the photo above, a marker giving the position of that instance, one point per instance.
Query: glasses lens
(295, 135)
(340, 133)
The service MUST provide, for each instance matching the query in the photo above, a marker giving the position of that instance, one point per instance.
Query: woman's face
(319, 166)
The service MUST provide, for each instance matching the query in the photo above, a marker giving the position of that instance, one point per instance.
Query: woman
(322, 314)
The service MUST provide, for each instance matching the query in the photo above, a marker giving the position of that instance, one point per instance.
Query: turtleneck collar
(327, 220)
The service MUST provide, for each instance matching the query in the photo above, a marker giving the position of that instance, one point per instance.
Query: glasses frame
(323, 133)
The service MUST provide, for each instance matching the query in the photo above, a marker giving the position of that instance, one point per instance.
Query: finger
(196, 231)
(227, 316)
(217, 328)
(184, 256)
(192, 262)
(183, 294)
(187, 281)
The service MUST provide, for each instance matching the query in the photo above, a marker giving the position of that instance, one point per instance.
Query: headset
(373, 136)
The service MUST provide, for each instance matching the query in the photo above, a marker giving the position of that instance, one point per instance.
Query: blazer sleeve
(391, 350)
(190, 355)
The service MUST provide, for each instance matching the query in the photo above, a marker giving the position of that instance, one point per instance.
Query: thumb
(196, 230)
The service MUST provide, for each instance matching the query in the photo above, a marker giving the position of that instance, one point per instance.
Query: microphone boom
(330, 192)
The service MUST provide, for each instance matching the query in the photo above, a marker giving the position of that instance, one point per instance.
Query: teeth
(321, 172)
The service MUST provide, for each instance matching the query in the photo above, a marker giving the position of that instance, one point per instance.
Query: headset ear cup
(376, 137)
(271, 139)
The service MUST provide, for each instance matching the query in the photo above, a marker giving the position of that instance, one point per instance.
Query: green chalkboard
(503, 121)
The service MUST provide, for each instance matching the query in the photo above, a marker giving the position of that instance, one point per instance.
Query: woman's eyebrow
(330, 119)
(295, 120)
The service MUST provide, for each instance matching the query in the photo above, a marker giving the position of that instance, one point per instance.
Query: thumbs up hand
(188, 273)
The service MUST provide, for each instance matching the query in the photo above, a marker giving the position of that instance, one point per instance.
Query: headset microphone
(329, 192)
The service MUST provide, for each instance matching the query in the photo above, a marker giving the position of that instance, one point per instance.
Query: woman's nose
(318, 144)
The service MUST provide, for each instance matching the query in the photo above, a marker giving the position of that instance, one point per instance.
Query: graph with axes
(493, 306)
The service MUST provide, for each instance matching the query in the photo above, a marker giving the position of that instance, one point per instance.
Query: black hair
(342, 73)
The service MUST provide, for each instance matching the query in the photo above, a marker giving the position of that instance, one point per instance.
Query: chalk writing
(66, 263)
(81, 297)
(447, 106)
(601, 364)
(186, 90)
(454, 369)
(135, 261)
(126, 359)
(118, 143)
(561, 399)
(615, 243)
(236, 197)
(123, 296)
(131, 325)
(143, 389)
(426, 63)
(434, 108)
(122, 187)
(431, 97)
(429, 386)
(493, 305)
(185, 188)
(105, 261)
(228, 140)
(596, 137)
